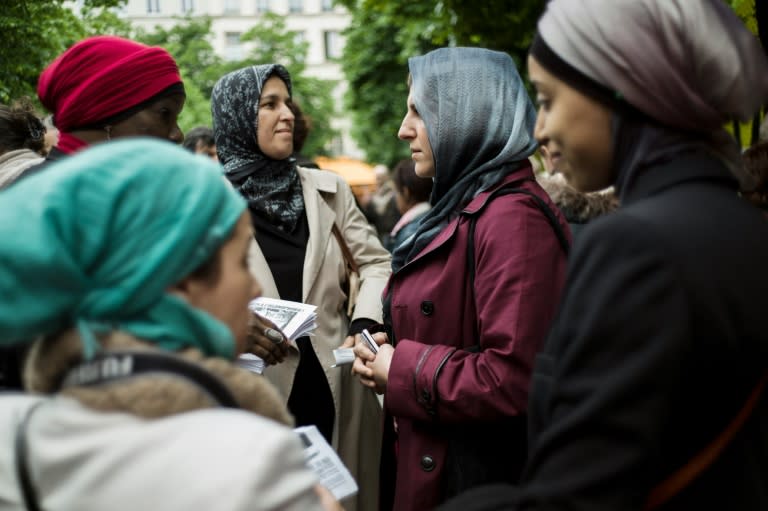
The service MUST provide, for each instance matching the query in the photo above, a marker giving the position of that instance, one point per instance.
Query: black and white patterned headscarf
(271, 187)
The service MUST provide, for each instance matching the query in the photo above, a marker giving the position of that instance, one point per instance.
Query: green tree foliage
(747, 133)
(745, 9)
(374, 61)
(188, 42)
(34, 32)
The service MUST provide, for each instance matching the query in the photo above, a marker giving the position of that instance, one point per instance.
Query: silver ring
(274, 336)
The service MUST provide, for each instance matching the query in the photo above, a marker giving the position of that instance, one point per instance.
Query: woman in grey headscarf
(295, 256)
(473, 290)
(647, 393)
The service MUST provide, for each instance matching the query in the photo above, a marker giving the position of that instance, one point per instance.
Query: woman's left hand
(373, 369)
(380, 367)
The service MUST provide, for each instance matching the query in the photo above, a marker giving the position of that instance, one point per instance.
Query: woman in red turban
(102, 88)
(107, 87)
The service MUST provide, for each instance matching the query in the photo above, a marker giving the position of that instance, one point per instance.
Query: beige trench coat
(358, 425)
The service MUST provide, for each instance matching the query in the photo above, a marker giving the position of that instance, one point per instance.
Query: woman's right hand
(267, 341)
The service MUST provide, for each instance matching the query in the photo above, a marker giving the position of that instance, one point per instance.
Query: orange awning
(355, 172)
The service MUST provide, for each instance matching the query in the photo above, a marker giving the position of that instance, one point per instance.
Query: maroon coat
(433, 382)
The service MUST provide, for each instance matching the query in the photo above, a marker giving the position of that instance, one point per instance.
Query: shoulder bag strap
(21, 459)
(677, 482)
(353, 270)
(345, 251)
(542, 205)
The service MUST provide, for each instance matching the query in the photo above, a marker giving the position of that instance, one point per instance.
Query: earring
(108, 129)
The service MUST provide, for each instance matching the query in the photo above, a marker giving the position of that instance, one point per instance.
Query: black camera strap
(110, 366)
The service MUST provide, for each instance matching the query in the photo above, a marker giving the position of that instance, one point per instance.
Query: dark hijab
(271, 187)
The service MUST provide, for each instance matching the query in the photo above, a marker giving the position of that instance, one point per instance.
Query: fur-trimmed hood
(578, 207)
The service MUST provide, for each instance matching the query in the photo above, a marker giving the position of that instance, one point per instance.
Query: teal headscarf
(96, 240)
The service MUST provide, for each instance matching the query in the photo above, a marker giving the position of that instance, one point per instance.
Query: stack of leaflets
(294, 319)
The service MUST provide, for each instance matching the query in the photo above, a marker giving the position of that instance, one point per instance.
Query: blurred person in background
(51, 134)
(200, 140)
(412, 197)
(302, 125)
(381, 208)
(22, 140)
(756, 164)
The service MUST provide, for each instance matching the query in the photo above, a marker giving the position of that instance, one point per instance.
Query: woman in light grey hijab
(473, 289)
(649, 391)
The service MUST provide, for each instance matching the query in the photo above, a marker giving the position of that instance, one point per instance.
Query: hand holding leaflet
(293, 318)
(347, 355)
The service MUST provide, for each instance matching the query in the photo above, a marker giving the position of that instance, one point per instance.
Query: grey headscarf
(689, 66)
(271, 187)
(479, 121)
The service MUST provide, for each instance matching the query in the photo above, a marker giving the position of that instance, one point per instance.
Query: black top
(284, 253)
(311, 401)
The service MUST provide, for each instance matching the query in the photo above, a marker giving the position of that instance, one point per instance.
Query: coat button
(427, 463)
(427, 307)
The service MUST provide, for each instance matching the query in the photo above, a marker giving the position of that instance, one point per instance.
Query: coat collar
(320, 217)
(524, 172)
(694, 166)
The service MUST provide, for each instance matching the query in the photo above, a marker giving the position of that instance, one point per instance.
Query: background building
(317, 22)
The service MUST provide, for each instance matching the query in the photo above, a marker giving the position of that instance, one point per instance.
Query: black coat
(660, 338)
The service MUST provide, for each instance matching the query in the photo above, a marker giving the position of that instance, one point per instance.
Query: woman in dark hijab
(648, 391)
(296, 256)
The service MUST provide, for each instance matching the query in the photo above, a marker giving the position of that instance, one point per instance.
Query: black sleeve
(603, 387)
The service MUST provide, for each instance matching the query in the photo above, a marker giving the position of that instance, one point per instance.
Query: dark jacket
(660, 338)
(435, 382)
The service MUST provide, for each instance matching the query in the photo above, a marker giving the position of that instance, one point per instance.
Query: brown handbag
(681, 478)
(353, 270)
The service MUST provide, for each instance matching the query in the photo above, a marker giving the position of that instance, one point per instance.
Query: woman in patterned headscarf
(647, 392)
(295, 256)
(137, 293)
(473, 289)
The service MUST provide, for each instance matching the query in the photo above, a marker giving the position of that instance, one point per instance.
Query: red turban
(102, 76)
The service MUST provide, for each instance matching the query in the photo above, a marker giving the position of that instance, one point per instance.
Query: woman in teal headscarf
(114, 260)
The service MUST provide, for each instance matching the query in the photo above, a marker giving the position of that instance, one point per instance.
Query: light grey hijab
(689, 65)
(479, 121)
